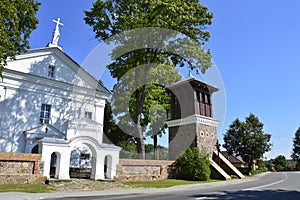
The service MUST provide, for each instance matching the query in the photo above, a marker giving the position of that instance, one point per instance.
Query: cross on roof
(57, 23)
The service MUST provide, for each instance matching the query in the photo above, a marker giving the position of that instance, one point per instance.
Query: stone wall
(180, 139)
(192, 135)
(206, 138)
(18, 168)
(144, 170)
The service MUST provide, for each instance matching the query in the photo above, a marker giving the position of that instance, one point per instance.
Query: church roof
(191, 79)
(100, 86)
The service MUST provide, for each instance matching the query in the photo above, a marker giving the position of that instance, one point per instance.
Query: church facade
(50, 105)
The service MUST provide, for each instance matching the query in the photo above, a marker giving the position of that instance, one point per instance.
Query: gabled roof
(61, 54)
(232, 159)
(190, 79)
(43, 130)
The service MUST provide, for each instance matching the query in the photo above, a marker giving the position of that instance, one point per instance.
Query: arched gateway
(80, 132)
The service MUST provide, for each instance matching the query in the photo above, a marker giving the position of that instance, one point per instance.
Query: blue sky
(255, 45)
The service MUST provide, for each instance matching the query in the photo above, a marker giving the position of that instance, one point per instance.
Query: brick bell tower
(192, 123)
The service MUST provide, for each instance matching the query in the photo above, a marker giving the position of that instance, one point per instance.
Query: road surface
(270, 186)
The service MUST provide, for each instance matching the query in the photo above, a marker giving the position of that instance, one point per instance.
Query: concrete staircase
(225, 169)
(217, 171)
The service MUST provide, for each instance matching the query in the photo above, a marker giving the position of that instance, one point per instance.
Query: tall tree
(153, 111)
(17, 20)
(112, 18)
(296, 148)
(247, 139)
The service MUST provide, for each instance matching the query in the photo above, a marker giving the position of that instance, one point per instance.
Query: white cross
(56, 34)
(57, 23)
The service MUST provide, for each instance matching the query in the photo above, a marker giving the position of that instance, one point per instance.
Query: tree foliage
(247, 139)
(296, 149)
(162, 152)
(112, 18)
(153, 112)
(296, 146)
(280, 163)
(17, 20)
(194, 165)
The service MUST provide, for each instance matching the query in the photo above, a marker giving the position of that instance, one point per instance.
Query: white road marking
(261, 186)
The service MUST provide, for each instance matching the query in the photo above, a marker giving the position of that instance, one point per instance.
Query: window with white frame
(45, 113)
(51, 70)
(88, 115)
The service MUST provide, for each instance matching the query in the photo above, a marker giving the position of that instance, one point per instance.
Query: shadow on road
(243, 195)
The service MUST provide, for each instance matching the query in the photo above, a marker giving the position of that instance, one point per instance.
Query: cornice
(194, 119)
(51, 83)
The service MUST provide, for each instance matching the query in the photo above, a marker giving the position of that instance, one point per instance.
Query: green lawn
(165, 183)
(28, 188)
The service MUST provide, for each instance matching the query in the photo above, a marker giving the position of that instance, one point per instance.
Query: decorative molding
(38, 81)
(194, 119)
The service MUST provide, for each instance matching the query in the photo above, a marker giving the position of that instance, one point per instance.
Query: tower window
(88, 115)
(45, 113)
(51, 71)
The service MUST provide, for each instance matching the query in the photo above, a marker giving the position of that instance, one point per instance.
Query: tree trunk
(141, 77)
(156, 155)
(140, 99)
(140, 140)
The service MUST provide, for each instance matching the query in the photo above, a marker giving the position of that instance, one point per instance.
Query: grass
(28, 188)
(164, 183)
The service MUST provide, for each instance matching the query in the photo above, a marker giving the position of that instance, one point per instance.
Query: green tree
(154, 110)
(296, 148)
(17, 20)
(111, 18)
(162, 152)
(114, 135)
(280, 163)
(247, 139)
(194, 165)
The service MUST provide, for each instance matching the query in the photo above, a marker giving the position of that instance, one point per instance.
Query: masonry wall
(180, 139)
(144, 170)
(18, 168)
(206, 138)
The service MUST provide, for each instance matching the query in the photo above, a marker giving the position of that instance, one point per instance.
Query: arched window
(35, 149)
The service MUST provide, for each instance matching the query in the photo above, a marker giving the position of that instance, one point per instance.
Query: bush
(269, 166)
(258, 171)
(298, 166)
(193, 165)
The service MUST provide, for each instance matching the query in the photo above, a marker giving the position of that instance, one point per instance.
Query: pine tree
(296, 148)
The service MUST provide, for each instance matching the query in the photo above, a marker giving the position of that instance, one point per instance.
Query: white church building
(50, 105)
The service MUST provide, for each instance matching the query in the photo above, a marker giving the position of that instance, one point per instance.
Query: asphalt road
(271, 186)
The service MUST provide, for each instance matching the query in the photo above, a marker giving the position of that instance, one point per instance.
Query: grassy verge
(164, 183)
(28, 188)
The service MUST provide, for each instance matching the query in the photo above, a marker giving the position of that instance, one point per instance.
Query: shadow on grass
(244, 195)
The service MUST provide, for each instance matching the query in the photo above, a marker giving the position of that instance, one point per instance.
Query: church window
(88, 115)
(45, 113)
(51, 71)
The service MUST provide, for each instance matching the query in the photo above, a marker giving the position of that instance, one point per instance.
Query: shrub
(258, 171)
(298, 166)
(193, 165)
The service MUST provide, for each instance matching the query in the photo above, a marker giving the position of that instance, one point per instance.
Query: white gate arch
(84, 131)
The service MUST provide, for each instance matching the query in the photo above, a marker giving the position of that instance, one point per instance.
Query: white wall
(21, 96)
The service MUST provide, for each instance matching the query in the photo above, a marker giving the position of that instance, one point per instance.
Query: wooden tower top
(191, 96)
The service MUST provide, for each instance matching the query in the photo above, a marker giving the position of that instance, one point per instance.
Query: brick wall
(144, 170)
(21, 168)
